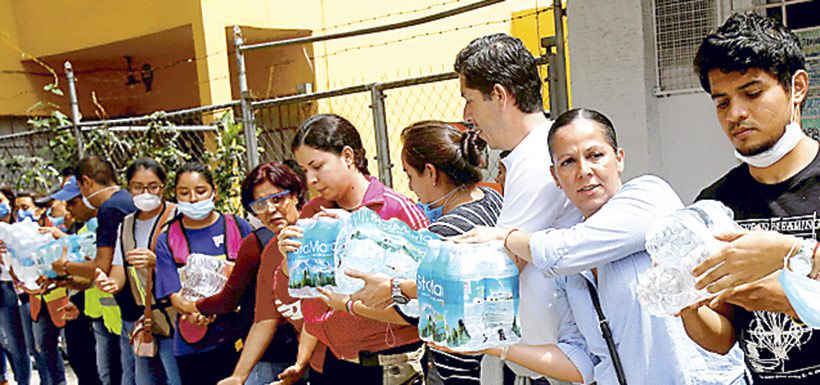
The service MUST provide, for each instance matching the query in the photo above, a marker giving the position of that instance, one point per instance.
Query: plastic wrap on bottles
(468, 296)
(372, 245)
(677, 244)
(313, 265)
(203, 276)
(23, 241)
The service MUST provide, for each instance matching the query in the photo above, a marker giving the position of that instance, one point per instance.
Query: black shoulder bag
(607, 334)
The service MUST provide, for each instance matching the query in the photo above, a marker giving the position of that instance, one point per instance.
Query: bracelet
(505, 350)
(507, 238)
(349, 305)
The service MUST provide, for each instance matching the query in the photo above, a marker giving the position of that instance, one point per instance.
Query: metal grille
(680, 26)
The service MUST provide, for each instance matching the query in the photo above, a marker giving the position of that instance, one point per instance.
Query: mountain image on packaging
(311, 272)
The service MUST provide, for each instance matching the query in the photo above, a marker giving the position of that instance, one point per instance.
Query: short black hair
(96, 168)
(603, 123)
(502, 59)
(748, 40)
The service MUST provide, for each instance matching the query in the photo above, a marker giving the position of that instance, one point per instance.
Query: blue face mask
(197, 211)
(802, 292)
(5, 210)
(56, 221)
(23, 214)
(434, 214)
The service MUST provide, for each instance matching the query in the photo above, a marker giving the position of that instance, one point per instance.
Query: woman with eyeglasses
(133, 258)
(205, 346)
(271, 192)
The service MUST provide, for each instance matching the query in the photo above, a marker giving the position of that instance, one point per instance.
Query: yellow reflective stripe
(55, 294)
(135, 280)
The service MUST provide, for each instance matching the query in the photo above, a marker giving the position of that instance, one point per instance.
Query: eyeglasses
(153, 188)
(269, 202)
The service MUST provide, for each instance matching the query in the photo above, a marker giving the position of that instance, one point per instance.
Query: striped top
(457, 369)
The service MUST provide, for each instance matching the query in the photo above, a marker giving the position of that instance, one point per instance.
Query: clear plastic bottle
(677, 244)
(501, 303)
(430, 292)
(313, 265)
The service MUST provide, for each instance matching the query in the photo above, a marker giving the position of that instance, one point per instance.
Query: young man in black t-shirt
(755, 72)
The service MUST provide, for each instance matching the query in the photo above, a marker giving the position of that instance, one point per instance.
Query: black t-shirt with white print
(777, 349)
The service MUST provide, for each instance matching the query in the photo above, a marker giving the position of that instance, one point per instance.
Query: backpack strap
(233, 236)
(168, 213)
(127, 240)
(178, 243)
(263, 236)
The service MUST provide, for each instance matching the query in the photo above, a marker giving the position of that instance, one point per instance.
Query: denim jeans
(28, 334)
(12, 339)
(127, 354)
(108, 353)
(266, 372)
(46, 341)
(78, 337)
(160, 369)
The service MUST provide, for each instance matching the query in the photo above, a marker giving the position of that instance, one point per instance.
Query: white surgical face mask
(86, 200)
(791, 136)
(147, 201)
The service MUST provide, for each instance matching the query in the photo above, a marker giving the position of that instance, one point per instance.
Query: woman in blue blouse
(601, 258)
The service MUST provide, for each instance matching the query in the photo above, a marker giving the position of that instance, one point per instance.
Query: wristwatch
(802, 262)
(395, 290)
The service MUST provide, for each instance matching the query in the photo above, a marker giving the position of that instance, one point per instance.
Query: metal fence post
(560, 62)
(382, 141)
(75, 108)
(248, 124)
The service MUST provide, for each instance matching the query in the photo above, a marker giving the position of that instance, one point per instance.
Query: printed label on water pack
(313, 265)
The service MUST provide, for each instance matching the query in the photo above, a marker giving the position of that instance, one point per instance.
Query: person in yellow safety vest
(96, 179)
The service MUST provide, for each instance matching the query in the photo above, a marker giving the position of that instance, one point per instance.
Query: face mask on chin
(784, 145)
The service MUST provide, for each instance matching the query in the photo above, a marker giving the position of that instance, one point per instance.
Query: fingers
(730, 236)
(353, 273)
(709, 263)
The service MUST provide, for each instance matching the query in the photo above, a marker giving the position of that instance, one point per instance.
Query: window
(680, 26)
(801, 17)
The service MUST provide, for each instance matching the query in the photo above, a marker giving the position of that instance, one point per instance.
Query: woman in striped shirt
(442, 164)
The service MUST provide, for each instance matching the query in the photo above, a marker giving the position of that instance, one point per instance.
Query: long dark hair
(457, 154)
(197, 168)
(145, 164)
(331, 133)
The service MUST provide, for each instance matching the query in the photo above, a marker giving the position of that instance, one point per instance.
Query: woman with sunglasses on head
(271, 192)
(374, 346)
(205, 347)
(133, 258)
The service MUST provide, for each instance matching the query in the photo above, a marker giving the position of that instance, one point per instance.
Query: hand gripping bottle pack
(313, 265)
(677, 244)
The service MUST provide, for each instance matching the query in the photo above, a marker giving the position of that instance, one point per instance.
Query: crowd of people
(575, 228)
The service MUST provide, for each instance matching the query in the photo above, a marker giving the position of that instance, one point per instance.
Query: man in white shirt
(502, 92)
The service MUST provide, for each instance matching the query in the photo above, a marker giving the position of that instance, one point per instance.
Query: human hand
(376, 292)
(69, 311)
(286, 239)
(199, 319)
(489, 351)
(748, 256)
(762, 295)
(291, 311)
(339, 214)
(291, 374)
(105, 283)
(60, 266)
(55, 232)
(333, 300)
(481, 234)
(141, 258)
